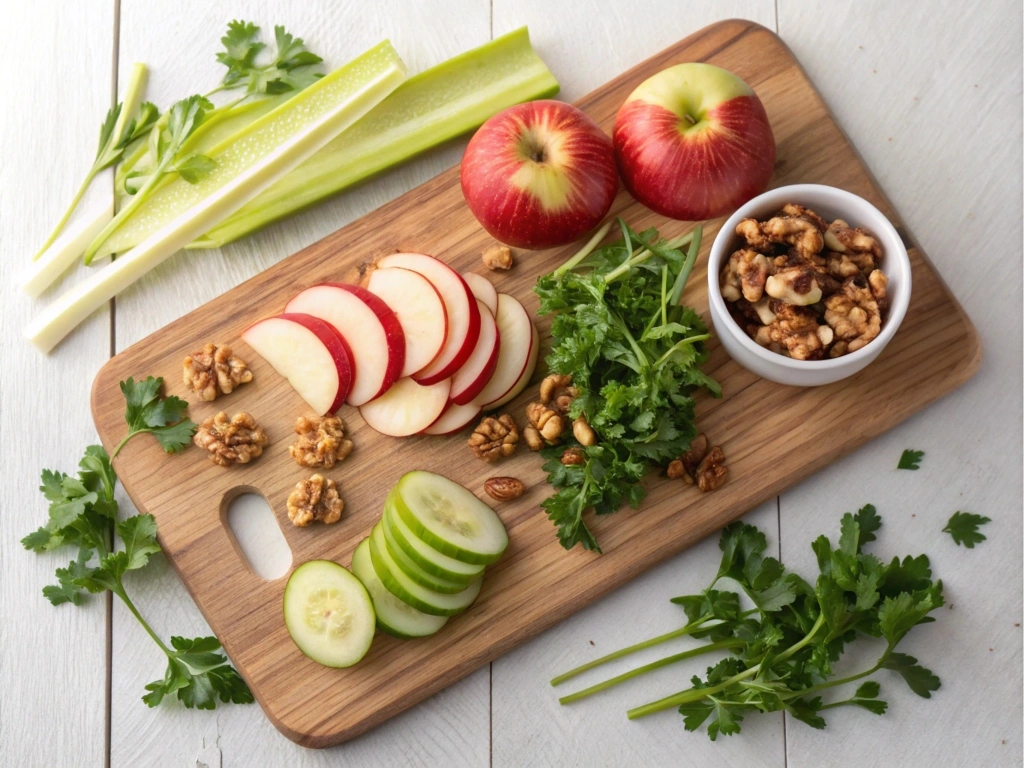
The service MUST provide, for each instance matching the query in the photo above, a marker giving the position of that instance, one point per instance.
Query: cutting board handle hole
(253, 529)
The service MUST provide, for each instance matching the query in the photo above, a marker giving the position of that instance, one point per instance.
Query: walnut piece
(583, 432)
(712, 472)
(685, 466)
(795, 285)
(745, 274)
(573, 456)
(795, 231)
(795, 329)
(854, 314)
(315, 499)
(230, 441)
(792, 209)
(498, 258)
(547, 421)
(214, 370)
(504, 488)
(840, 237)
(556, 390)
(533, 438)
(321, 442)
(494, 438)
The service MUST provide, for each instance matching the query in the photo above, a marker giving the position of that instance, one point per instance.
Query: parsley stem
(644, 255)
(681, 632)
(695, 694)
(681, 343)
(135, 612)
(586, 250)
(693, 652)
(71, 209)
(691, 259)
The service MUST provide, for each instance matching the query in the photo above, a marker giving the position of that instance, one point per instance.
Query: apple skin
(693, 142)
(539, 174)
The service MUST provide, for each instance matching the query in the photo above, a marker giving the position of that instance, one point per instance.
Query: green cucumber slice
(411, 593)
(393, 616)
(419, 575)
(443, 514)
(424, 555)
(329, 613)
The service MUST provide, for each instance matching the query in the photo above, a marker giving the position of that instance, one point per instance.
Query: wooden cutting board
(773, 436)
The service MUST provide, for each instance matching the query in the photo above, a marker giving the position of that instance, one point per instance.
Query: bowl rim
(840, 198)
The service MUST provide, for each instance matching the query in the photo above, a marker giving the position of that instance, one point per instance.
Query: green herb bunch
(783, 650)
(634, 354)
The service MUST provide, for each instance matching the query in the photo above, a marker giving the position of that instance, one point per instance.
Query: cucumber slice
(411, 593)
(419, 575)
(328, 613)
(393, 616)
(424, 555)
(449, 518)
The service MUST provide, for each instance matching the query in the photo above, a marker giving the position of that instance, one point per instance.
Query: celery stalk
(88, 222)
(248, 163)
(430, 108)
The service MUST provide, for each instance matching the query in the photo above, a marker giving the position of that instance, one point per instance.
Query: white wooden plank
(933, 102)
(586, 46)
(53, 668)
(179, 43)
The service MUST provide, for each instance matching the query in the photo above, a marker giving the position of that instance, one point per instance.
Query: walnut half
(321, 442)
(315, 499)
(236, 440)
(494, 438)
(214, 370)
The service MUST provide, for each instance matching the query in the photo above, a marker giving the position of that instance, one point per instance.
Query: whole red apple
(693, 142)
(539, 174)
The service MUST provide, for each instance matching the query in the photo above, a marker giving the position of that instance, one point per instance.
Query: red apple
(693, 142)
(539, 174)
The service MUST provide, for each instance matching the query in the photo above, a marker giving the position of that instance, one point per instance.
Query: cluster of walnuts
(804, 287)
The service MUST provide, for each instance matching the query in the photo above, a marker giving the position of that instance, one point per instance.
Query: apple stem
(586, 250)
(689, 119)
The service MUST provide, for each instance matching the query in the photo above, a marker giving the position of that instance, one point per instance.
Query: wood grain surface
(935, 350)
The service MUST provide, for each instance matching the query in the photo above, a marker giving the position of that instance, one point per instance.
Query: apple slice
(525, 376)
(370, 328)
(308, 352)
(483, 289)
(420, 311)
(517, 357)
(474, 374)
(454, 419)
(462, 310)
(407, 408)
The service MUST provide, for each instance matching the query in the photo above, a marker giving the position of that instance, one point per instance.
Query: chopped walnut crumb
(214, 370)
(498, 258)
(494, 438)
(804, 287)
(229, 441)
(315, 499)
(321, 442)
(573, 457)
(712, 472)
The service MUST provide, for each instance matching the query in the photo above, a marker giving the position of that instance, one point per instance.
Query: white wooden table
(931, 98)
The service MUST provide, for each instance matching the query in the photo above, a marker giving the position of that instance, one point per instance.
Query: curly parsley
(634, 354)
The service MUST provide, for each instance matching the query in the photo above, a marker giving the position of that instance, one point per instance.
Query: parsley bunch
(783, 650)
(634, 354)
(83, 514)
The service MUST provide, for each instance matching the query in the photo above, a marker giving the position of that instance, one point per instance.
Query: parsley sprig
(910, 459)
(634, 354)
(83, 513)
(289, 70)
(163, 417)
(783, 650)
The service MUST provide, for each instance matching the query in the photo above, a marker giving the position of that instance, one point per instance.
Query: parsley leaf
(290, 69)
(165, 418)
(198, 675)
(910, 459)
(921, 681)
(68, 590)
(963, 527)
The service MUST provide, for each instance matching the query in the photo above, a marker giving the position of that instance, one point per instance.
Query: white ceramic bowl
(830, 203)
